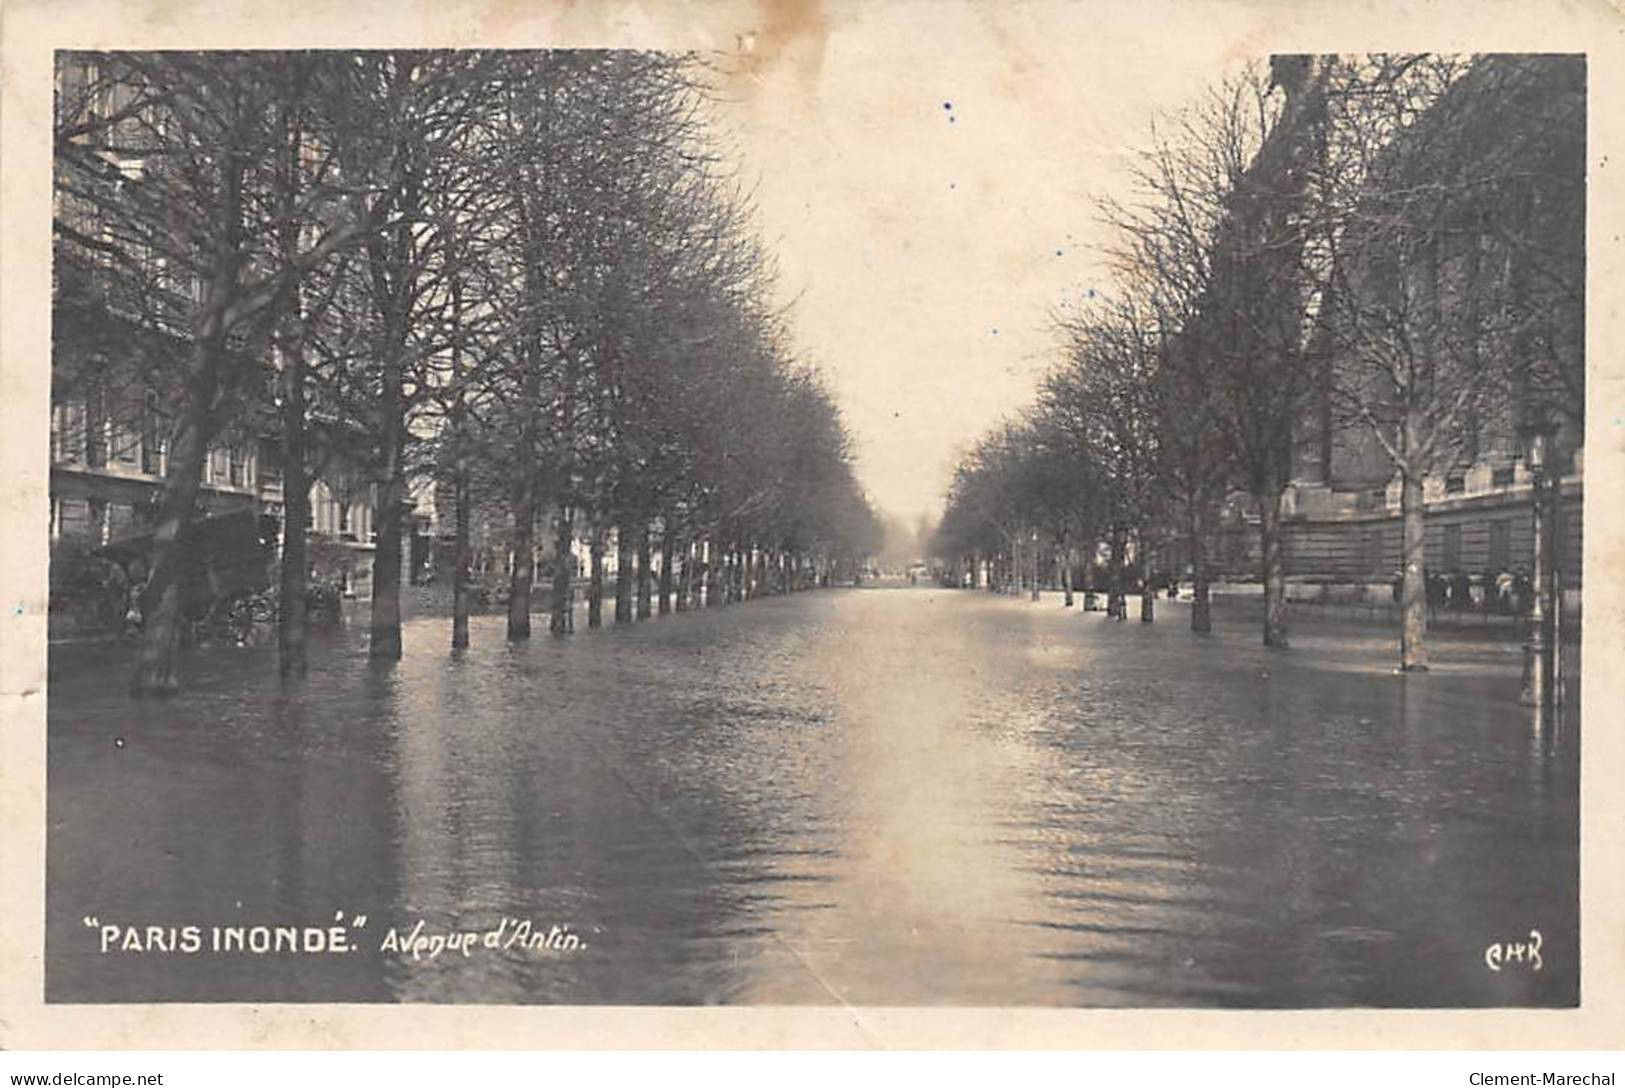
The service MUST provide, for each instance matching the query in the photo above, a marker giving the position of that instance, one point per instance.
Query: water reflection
(875, 797)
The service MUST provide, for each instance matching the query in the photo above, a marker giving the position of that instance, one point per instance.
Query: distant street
(877, 796)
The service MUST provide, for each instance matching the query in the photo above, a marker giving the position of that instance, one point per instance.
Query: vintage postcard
(962, 524)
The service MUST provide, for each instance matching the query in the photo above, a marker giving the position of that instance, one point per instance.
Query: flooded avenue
(880, 796)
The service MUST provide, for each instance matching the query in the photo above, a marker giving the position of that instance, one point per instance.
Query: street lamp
(1536, 433)
(1034, 564)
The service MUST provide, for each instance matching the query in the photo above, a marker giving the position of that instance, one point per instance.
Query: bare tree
(1430, 322)
(167, 190)
(1263, 290)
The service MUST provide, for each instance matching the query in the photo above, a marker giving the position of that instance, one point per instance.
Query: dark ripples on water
(876, 797)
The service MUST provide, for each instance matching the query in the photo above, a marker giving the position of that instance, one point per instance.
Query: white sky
(925, 246)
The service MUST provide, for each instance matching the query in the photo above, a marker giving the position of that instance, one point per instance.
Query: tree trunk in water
(707, 575)
(1413, 589)
(293, 577)
(460, 557)
(386, 571)
(1201, 612)
(645, 574)
(460, 487)
(668, 555)
(293, 580)
(595, 579)
(161, 599)
(561, 621)
(385, 644)
(1116, 597)
(685, 578)
(623, 573)
(1269, 532)
(1066, 573)
(524, 560)
(385, 626)
(713, 574)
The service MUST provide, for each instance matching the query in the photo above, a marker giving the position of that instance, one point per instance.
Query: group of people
(1504, 593)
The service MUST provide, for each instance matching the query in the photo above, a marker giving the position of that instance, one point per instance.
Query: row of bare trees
(524, 275)
(1380, 251)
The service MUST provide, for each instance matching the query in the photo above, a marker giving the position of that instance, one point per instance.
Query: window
(67, 433)
(95, 431)
(237, 467)
(97, 520)
(74, 519)
(327, 510)
(1452, 547)
(1371, 550)
(344, 519)
(153, 438)
(120, 520)
(270, 464)
(218, 465)
(124, 441)
(1500, 544)
(1502, 477)
(1455, 483)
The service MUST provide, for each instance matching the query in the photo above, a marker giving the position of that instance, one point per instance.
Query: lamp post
(1536, 434)
(1034, 563)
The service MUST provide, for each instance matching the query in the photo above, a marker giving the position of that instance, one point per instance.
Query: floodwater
(872, 797)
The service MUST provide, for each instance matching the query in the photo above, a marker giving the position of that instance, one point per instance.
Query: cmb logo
(1515, 953)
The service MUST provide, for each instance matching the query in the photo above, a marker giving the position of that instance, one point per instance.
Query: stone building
(1500, 277)
(119, 336)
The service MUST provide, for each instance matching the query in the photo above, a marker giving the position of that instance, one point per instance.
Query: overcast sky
(928, 186)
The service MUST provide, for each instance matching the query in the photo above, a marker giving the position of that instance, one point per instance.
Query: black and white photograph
(872, 505)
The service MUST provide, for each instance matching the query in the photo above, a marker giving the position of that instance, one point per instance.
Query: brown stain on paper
(791, 34)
